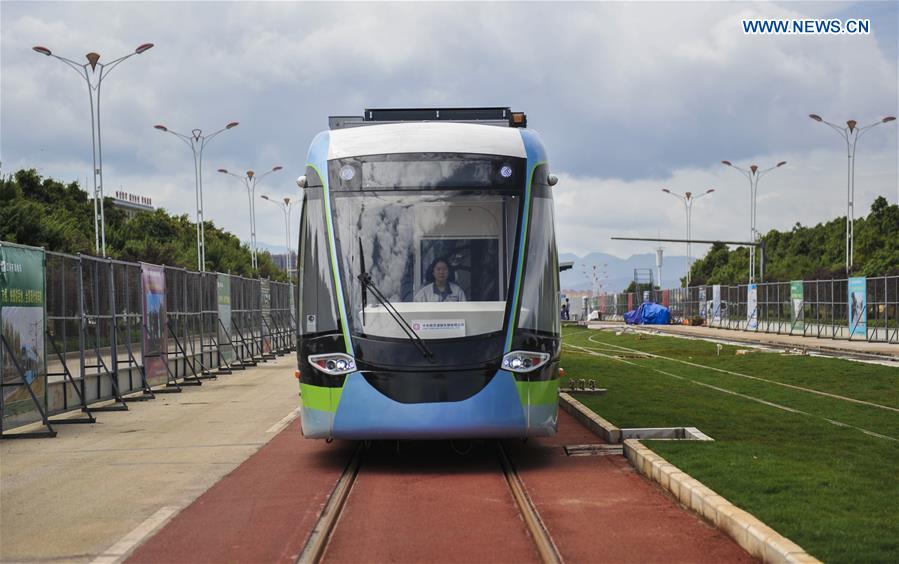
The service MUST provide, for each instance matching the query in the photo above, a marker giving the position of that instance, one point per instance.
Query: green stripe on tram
(320, 397)
(543, 392)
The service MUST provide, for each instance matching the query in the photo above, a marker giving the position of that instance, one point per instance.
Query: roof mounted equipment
(499, 116)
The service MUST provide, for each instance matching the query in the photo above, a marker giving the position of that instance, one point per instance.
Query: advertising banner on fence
(265, 300)
(752, 307)
(224, 329)
(155, 332)
(716, 303)
(702, 304)
(797, 301)
(22, 320)
(858, 307)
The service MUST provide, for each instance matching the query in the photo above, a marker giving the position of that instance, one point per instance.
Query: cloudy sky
(629, 98)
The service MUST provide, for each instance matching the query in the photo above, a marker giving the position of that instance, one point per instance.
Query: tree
(43, 212)
(812, 253)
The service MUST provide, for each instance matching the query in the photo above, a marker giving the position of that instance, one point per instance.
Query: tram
(428, 293)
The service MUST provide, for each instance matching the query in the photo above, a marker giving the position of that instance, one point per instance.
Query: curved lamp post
(250, 179)
(197, 142)
(688, 198)
(851, 134)
(93, 72)
(285, 206)
(753, 174)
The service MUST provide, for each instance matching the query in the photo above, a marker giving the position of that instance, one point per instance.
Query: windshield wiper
(362, 269)
(365, 279)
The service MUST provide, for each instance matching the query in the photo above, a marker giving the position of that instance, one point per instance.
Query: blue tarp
(648, 313)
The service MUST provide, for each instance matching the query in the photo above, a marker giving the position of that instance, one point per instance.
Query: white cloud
(811, 188)
(629, 97)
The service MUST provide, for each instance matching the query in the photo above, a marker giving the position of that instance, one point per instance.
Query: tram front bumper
(361, 412)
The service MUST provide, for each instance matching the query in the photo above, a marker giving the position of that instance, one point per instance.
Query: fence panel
(282, 317)
(128, 323)
(812, 308)
(64, 344)
(883, 309)
(100, 367)
(246, 319)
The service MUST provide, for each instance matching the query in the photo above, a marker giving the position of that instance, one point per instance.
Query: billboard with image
(702, 304)
(716, 303)
(23, 324)
(797, 301)
(266, 306)
(858, 307)
(224, 329)
(752, 307)
(155, 324)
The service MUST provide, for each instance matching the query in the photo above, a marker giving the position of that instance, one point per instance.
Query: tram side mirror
(301, 182)
(552, 179)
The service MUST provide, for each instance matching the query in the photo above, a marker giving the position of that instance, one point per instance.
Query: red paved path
(425, 503)
(263, 511)
(429, 504)
(598, 509)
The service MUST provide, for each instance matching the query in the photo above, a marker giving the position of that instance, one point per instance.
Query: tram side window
(318, 312)
(540, 289)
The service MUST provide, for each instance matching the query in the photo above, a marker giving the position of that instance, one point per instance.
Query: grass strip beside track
(798, 460)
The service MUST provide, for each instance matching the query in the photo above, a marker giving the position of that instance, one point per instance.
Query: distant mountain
(273, 249)
(620, 271)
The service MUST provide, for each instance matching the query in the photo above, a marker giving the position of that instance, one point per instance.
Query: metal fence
(823, 310)
(281, 320)
(96, 331)
(246, 320)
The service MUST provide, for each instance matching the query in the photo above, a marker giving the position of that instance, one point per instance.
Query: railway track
(314, 550)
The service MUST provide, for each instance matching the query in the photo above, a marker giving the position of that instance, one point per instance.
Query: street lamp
(285, 206)
(753, 174)
(250, 180)
(851, 135)
(93, 73)
(688, 198)
(197, 142)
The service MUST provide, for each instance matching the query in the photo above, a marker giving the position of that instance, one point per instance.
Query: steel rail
(546, 548)
(315, 545)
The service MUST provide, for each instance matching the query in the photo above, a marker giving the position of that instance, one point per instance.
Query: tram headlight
(524, 361)
(333, 364)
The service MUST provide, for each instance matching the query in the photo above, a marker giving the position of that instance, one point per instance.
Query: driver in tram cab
(441, 290)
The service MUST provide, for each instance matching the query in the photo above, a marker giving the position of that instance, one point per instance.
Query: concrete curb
(597, 425)
(757, 538)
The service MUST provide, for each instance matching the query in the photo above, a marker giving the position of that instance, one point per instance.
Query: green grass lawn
(822, 470)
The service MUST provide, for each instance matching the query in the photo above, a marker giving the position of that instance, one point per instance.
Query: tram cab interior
(470, 237)
(395, 216)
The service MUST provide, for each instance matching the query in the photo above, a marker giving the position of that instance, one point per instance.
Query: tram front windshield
(435, 232)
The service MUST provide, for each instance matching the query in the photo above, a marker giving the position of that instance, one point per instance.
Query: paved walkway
(883, 350)
(75, 497)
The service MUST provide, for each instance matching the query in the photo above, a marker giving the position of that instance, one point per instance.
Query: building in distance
(133, 204)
